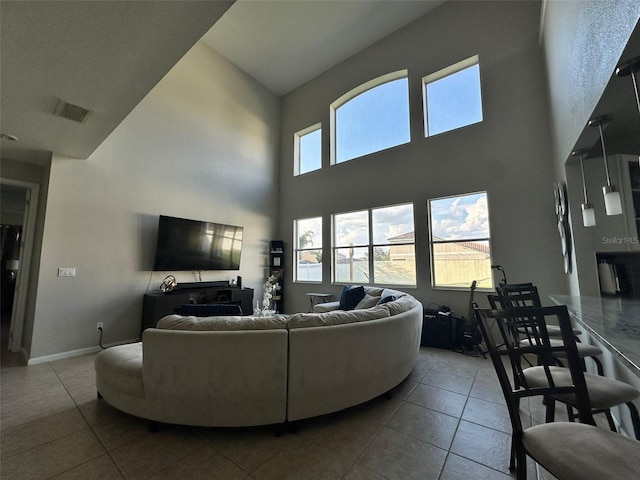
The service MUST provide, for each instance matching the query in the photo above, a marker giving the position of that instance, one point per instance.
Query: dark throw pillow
(388, 298)
(350, 297)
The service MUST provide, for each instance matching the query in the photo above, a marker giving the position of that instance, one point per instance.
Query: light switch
(66, 272)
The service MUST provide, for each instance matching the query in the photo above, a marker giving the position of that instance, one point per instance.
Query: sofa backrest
(221, 323)
(336, 317)
(215, 378)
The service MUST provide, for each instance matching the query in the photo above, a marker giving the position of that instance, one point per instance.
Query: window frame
(465, 240)
(370, 246)
(441, 74)
(297, 249)
(352, 94)
(296, 148)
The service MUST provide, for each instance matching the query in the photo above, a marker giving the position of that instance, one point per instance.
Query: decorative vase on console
(268, 302)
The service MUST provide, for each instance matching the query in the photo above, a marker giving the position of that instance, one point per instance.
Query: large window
(375, 246)
(371, 117)
(308, 249)
(452, 97)
(307, 148)
(460, 241)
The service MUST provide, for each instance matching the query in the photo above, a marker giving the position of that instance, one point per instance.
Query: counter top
(613, 321)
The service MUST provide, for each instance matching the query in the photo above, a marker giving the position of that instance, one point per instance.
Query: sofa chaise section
(223, 376)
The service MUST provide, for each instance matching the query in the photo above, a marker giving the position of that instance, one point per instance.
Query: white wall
(508, 154)
(204, 145)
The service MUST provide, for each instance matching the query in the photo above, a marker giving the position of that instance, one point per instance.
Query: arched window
(371, 118)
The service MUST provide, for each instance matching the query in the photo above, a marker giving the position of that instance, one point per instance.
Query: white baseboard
(74, 353)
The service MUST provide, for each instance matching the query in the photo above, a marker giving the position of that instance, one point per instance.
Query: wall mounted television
(185, 244)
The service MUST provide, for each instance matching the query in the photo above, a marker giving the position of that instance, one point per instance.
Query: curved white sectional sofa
(241, 371)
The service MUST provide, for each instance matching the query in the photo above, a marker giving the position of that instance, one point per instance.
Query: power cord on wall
(100, 340)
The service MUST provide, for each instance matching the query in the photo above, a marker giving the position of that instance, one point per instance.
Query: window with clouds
(460, 241)
(375, 246)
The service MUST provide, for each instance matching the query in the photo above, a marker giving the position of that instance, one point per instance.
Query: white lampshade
(612, 202)
(588, 215)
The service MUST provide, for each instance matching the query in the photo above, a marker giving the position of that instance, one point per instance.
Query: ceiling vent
(71, 112)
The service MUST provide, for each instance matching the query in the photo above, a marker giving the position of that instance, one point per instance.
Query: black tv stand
(159, 304)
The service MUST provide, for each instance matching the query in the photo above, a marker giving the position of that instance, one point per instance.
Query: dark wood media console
(158, 304)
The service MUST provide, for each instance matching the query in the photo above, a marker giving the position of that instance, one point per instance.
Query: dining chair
(518, 289)
(605, 392)
(530, 298)
(568, 450)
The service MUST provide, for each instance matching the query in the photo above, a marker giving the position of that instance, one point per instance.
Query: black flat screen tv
(185, 244)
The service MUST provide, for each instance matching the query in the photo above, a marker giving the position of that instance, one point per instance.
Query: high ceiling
(106, 56)
(284, 44)
(100, 55)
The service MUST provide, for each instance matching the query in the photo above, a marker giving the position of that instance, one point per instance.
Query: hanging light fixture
(612, 201)
(588, 213)
(631, 68)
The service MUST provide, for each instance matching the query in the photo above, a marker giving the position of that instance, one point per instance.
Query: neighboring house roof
(475, 246)
(307, 257)
(404, 237)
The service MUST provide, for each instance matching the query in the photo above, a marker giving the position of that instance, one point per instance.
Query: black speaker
(239, 281)
(438, 329)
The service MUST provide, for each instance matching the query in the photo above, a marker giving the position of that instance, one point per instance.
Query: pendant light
(631, 68)
(588, 213)
(612, 201)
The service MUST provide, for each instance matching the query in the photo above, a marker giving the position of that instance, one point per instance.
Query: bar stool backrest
(504, 343)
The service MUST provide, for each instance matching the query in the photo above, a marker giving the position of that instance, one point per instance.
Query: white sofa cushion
(400, 305)
(336, 317)
(221, 323)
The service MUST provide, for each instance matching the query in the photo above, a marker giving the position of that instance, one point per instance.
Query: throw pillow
(388, 298)
(350, 297)
(367, 301)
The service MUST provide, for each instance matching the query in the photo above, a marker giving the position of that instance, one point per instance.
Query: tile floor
(446, 421)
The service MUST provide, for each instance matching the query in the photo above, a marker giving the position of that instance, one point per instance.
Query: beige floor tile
(397, 456)
(487, 390)
(204, 463)
(459, 364)
(153, 452)
(96, 411)
(343, 434)
(76, 376)
(27, 436)
(301, 460)
(247, 447)
(357, 472)
(488, 414)
(34, 404)
(101, 468)
(53, 458)
(120, 429)
(448, 381)
(438, 399)
(432, 427)
(459, 468)
(483, 445)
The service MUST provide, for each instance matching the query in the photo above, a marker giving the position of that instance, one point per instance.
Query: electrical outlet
(99, 326)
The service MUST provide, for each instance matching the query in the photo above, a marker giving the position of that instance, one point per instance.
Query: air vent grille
(71, 112)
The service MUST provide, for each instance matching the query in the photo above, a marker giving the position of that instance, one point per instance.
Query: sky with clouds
(460, 218)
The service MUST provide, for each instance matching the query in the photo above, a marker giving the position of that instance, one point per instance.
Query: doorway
(19, 202)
